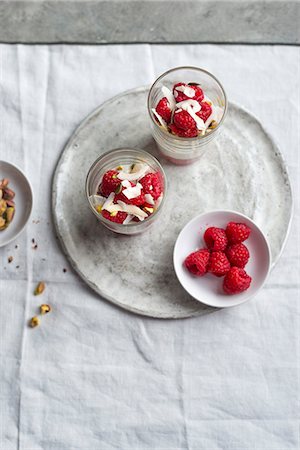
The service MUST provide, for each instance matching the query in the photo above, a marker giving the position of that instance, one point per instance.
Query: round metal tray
(242, 170)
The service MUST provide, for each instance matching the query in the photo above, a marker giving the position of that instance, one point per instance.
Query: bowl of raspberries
(126, 189)
(222, 258)
(187, 106)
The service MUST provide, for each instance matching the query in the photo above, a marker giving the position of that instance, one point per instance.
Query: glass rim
(131, 224)
(199, 69)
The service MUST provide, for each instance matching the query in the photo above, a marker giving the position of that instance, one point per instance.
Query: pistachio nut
(10, 214)
(118, 189)
(39, 288)
(34, 322)
(45, 309)
(148, 209)
(8, 194)
(3, 207)
(2, 223)
(4, 183)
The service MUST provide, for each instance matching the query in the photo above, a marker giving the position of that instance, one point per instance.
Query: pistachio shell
(2, 223)
(10, 214)
(39, 288)
(4, 183)
(3, 207)
(8, 194)
(118, 189)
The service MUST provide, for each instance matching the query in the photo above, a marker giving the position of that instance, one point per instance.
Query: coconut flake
(159, 118)
(128, 219)
(133, 210)
(187, 90)
(126, 184)
(170, 97)
(97, 200)
(185, 104)
(133, 176)
(133, 191)
(149, 199)
(109, 205)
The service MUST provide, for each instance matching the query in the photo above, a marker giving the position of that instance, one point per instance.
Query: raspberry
(137, 201)
(193, 132)
(118, 218)
(218, 264)
(238, 255)
(215, 238)
(180, 96)
(163, 109)
(237, 232)
(110, 182)
(152, 184)
(236, 280)
(205, 111)
(184, 120)
(196, 262)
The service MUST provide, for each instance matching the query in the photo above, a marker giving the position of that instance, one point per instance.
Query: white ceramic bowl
(23, 200)
(208, 289)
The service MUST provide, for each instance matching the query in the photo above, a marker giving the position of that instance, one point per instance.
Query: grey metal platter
(242, 170)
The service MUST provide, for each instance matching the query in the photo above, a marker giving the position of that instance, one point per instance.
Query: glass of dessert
(126, 189)
(187, 107)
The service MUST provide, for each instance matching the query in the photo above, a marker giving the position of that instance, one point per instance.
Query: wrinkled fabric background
(93, 376)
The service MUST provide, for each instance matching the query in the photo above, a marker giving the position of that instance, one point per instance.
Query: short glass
(108, 161)
(181, 150)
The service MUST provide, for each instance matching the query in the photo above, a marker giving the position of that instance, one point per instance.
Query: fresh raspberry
(110, 182)
(238, 255)
(180, 96)
(215, 239)
(137, 201)
(205, 111)
(218, 264)
(193, 132)
(152, 184)
(184, 120)
(236, 280)
(163, 109)
(118, 218)
(196, 262)
(237, 232)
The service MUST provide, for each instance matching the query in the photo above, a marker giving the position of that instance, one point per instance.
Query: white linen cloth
(93, 376)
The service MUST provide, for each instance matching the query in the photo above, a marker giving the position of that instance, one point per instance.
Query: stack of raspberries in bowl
(225, 256)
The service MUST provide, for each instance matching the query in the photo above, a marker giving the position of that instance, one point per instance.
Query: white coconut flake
(97, 200)
(159, 118)
(199, 122)
(133, 191)
(135, 175)
(133, 210)
(128, 219)
(109, 205)
(187, 90)
(149, 199)
(126, 184)
(185, 104)
(170, 97)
